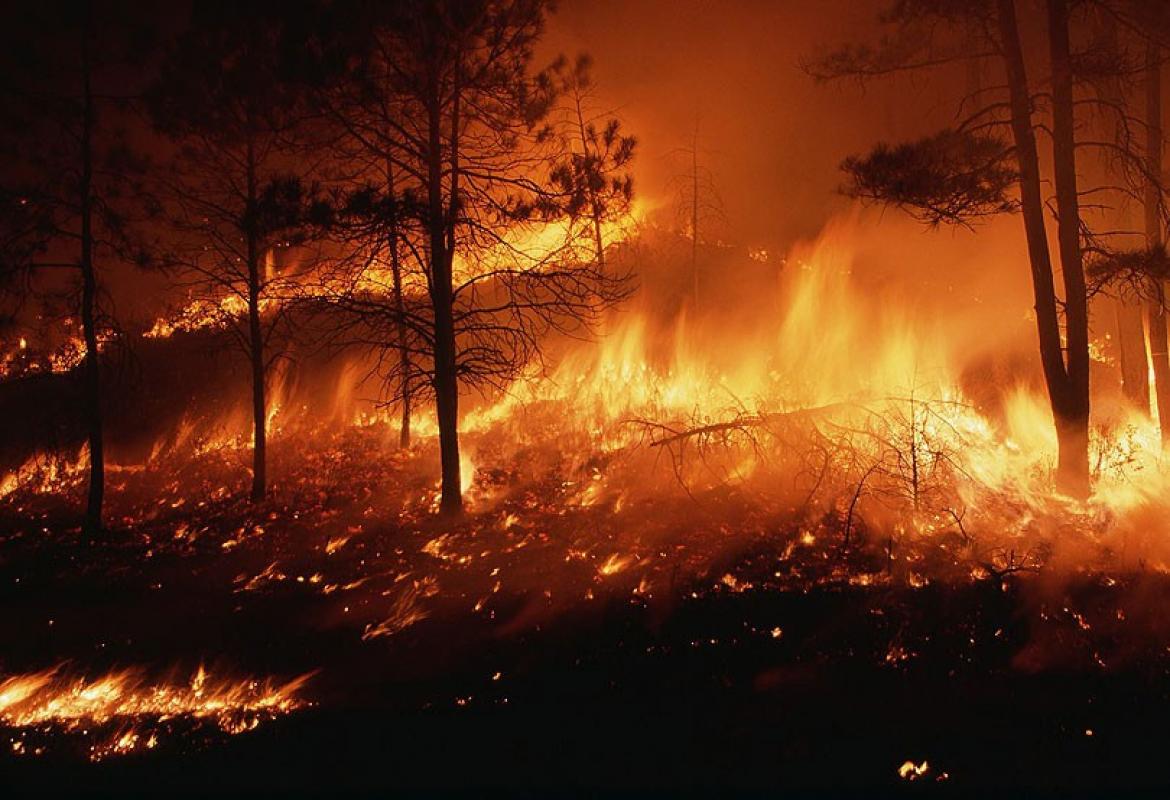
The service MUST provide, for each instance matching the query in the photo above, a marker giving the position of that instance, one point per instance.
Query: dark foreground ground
(999, 685)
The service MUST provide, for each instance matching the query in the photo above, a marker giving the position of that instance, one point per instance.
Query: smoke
(771, 137)
(772, 140)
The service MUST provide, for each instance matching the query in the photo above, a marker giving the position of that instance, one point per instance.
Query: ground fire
(399, 398)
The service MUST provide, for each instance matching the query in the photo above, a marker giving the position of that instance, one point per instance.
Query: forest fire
(526, 429)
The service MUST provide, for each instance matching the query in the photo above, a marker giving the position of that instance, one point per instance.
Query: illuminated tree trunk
(1155, 307)
(256, 337)
(1072, 412)
(1131, 343)
(1067, 387)
(90, 366)
(441, 223)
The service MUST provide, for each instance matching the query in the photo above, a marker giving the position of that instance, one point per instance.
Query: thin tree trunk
(1159, 359)
(441, 224)
(400, 308)
(695, 218)
(1156, 308)
(598, 240)
(594, 206)
(1032, 211)
(256, 339)
(1072, 413)
(90, 366)
(1128, 311)
(404, 367)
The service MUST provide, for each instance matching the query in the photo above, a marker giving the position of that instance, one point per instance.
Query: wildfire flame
(856, 406)
(55, 699)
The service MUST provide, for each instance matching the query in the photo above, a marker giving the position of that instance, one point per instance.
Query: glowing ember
(910, 771)
(615, 564)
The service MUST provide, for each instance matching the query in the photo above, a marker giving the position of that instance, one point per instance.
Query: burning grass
(124, 711)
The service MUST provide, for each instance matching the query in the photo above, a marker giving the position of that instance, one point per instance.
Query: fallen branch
(743, 423)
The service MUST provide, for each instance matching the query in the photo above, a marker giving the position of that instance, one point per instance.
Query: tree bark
(90, 366)
(256, 338)
(1156, 306)
(1072, 410)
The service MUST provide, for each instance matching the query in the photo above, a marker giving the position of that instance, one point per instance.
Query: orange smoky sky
(771, 137)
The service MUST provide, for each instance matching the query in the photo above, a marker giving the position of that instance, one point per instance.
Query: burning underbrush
(655, 473)
(836, 419)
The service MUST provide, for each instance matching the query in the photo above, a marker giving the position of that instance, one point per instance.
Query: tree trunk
(1128, 311)
(1040, 259)
(695, 219)
(1131, 344)
(1072, 411)
(1159, 359)
(400, 309)
(259, 409)
(90, 366)
(256, 340)
(1155, 307)
(594, 205)
(447, 407)
(403, 353)
(446, 383)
